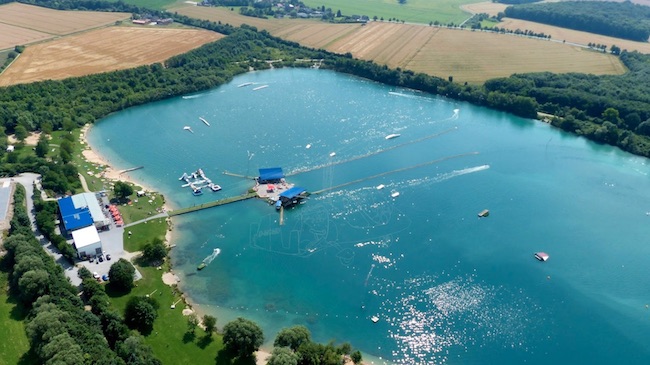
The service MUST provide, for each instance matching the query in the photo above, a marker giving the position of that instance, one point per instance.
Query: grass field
(151, 4)
(144, 233)
(412, 11)
(14, 346)
(169, 340)
(56, 22)
(103, 50)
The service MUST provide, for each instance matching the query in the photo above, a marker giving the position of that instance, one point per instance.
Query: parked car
(95, 275)
(100, 258)
(108, 257)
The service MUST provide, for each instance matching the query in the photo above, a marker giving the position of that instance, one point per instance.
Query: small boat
(245, 84)
(201, 266)
(204, 121)
(391, 136)
(332, 154)
(380, 186)
(308, 146)
(187, 128)
(260, 87)
(541, 256)
(484, 213)
(215, 187)
(374, 319)
(394, 194)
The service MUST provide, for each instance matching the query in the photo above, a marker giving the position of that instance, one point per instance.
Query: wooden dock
(216, 203)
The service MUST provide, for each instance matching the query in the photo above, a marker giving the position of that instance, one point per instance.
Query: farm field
(412, 11)
(574, 36)
(102, 50)
(11, 36)
(469, 56)
(55, 22)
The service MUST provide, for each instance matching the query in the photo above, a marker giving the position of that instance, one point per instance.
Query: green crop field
(152, 4)
(412, 11)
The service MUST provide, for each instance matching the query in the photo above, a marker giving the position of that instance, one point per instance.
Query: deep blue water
(448, 287)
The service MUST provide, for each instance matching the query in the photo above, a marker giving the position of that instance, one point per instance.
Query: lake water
(447, 286)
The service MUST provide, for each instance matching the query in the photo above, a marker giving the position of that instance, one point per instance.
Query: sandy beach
(110, 172)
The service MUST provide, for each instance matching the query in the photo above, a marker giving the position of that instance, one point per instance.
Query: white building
(87, 242)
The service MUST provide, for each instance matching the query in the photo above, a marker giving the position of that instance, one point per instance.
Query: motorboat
(541, 256)
(380, 186)
(391, 136)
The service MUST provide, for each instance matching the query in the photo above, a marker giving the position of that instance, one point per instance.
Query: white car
(95, 275)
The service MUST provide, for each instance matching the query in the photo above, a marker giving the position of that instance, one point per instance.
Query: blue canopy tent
(270, 175)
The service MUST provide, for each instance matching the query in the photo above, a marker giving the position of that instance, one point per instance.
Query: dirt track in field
(103, 50)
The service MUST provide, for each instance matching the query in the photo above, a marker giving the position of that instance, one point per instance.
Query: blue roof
(72, 217)
(293, 192)
(270, 174)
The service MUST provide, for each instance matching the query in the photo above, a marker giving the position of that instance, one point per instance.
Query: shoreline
(110, 173)
(169, 278)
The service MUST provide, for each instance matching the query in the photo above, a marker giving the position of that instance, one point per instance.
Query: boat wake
(192, 96)
(212, 256)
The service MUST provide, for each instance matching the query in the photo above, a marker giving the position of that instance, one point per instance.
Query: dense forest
(615, 19)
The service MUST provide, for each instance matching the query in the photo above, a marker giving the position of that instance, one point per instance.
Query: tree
(121, 275)
(33, 284)
(242, 337)
(140, 313)
(192, 323)
(283, 356)
(292, 337)
(210, 323)
(42, 146)
(122, 190)
(155, 251)
(62, 350)
(135, 352)
(21, 133)
(356, 357)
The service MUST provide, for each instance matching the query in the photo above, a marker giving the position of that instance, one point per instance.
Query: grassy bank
(14, 348)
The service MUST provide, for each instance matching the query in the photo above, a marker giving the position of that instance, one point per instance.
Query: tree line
(59, 329)
(616, 19)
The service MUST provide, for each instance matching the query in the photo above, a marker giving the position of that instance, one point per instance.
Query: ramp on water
(216, 203)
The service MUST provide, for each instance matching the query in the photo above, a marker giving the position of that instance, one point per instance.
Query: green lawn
(14, 346)
(144, 233)
(152, 4)
(413, 11)
(169, 340)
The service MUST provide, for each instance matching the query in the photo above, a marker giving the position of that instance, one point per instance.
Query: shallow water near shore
(447, 286)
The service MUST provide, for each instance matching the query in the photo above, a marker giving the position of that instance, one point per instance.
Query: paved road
(112, 240)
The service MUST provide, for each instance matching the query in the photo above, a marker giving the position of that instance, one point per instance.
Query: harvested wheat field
(11, 36)
(478, 56)
(57, 22)
(103, 50)
(574, 36)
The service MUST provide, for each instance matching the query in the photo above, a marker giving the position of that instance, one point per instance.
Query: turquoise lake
(447, 286)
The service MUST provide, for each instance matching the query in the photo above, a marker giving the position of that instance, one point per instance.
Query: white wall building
(87, 242)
